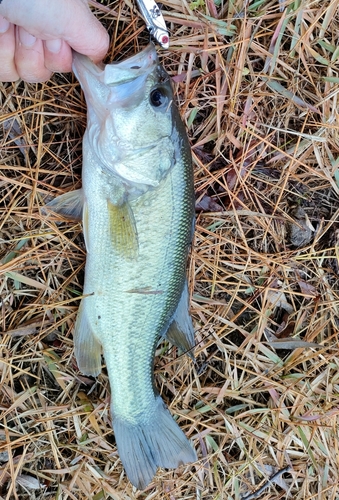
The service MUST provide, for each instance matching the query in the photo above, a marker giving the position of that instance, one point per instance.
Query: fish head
(130, 118)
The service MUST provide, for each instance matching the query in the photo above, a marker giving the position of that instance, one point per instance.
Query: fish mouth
(117, 72)
(142, 63)
(120, 79)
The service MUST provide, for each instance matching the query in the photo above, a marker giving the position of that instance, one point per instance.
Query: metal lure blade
(155, 21)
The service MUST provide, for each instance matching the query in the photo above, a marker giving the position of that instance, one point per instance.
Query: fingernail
(4, 24)
(53, 45)
(26, 38)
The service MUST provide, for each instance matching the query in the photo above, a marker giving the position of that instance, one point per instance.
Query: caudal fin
(145, 447)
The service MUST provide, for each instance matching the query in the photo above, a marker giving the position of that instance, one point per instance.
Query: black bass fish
(137, 209)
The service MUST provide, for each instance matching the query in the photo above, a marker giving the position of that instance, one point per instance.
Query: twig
(257, 493)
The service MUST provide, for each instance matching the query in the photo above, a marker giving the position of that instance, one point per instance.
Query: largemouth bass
(137, 209)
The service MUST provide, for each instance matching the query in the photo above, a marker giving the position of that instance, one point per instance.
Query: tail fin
(145, 447)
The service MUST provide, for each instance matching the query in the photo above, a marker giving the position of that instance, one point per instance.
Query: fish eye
(158, 98)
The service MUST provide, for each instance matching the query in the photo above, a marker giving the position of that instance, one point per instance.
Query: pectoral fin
(87, 348)
(69, 204)
(181, 332)
(123, 230)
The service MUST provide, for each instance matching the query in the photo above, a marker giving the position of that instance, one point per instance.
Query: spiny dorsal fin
(69, 205)
(123, 230)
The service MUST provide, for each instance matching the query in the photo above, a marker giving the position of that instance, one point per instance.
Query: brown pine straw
(257, 85)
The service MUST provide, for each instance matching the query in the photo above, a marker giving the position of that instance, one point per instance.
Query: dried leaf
(29, 482)
(292, 344)
(287, 343)
(307, 288)
(30, 329)
(300, 232)
(285, 329)
(280, 89)
(4, 455)
(277, 478)
(25, 280)
(277, 299)
(207, 204)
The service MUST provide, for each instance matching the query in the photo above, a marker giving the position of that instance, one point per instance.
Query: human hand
(37, 37)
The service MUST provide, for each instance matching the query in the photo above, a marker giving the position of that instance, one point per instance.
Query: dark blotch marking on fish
(132, 67)
(99, 317)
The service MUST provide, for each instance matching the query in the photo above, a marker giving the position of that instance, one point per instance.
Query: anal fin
(181, 332)
(69, 204)
(87, 348)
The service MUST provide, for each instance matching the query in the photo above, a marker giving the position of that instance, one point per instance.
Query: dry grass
(258, 87)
